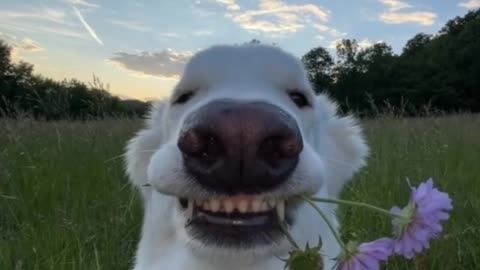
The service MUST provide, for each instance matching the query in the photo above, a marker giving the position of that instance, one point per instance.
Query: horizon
(140, 48)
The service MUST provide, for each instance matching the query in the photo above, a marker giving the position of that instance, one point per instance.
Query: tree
(23, 92)
(319, 64)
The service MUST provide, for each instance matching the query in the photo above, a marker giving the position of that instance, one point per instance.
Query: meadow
(65, 202)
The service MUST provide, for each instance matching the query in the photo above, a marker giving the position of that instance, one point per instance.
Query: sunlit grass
(66, 204)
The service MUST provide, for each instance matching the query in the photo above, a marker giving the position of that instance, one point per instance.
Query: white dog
(221, 163)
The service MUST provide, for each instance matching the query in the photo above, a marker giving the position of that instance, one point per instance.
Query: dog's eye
(299, 99)
(183, 98)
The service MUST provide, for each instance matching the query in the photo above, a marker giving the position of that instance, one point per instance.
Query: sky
(140, 47)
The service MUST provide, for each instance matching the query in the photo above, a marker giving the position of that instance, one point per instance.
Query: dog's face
(224, 160)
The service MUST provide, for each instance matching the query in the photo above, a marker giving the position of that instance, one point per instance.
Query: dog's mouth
(239, 221)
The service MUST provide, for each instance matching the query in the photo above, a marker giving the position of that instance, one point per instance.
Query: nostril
(290, 147)
(191, 143)
(276, 148)
(200, 145)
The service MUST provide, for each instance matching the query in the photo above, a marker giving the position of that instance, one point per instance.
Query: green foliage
(438, 72)
(65, 202)
(22, 92)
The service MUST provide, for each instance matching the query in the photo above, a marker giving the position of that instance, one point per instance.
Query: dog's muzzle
(239, 150)
(233, 147)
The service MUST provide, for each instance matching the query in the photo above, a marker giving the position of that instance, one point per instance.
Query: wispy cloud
(394, 5)
(170, 35)
(87, 26)
(276, 16)
(329, 30)
(32, 28)
(229, 4)
(200, 33)
(82, 3)
(132, 25)
(20, 45)
(472, 4)
(393, 16)
(167, 64)
(29, 45)
(35, 13)
(34, 19)
(362, 44)
(418, 17)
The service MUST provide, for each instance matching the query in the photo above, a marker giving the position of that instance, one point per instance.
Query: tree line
(22, 92)
(433, 73)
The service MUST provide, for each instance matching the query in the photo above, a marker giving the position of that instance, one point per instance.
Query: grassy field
(66, 204)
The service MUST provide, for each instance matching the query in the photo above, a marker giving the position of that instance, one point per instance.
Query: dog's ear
(340, 143)
(140, 148)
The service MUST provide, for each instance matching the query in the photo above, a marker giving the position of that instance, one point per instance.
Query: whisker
(343, 163)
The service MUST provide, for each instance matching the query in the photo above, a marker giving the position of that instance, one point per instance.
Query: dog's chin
(244, 224)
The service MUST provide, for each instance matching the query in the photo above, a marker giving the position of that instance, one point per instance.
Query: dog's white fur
(333, 151)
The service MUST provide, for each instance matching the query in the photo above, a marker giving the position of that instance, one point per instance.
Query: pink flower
(366, 256)
(421, 220)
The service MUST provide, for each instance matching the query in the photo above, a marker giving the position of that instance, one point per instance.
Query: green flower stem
(329, 224)
(284, 229)
(352, 203)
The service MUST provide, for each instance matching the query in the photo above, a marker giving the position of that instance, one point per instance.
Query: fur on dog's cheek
(310, 174)
(164, 169)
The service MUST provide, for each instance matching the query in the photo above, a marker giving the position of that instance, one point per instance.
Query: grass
(66, 204)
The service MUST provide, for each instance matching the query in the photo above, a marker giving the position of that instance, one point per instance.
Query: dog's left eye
(299, 99)
(183, 98)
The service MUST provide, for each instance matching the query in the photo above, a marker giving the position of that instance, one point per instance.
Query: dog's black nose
(236, 147)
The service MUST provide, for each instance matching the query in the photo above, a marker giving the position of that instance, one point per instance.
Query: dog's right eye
(183, 98)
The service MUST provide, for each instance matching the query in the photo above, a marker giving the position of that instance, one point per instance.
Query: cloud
(82, 3)
(276, 16)
(333, 44)
(25, 44)
(229, 4)
(417, 17)
(200, 33)
(132, 25)
(36, 14)
(29, 45)
(34, 19)
(362, 44)
(87, 26)
(36, 28)
(170, 35)
(167, 64)
(365, 43)
(394, 5)
(332, 31)
(393, 16)
(472, 4)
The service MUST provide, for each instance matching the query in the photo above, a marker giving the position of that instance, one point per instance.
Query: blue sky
(140, 47)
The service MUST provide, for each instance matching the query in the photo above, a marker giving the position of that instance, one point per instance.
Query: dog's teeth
(242, 206)
(189, 212)
(206, 206)
(256, 205)
(228, 205)
(214, 205)
(281, 210)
